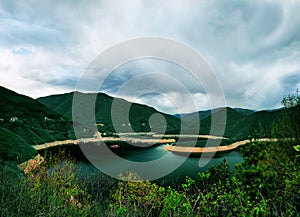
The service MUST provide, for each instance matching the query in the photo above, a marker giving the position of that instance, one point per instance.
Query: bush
(50, 190)
(135, 197)
(216, 193)
(272, 169)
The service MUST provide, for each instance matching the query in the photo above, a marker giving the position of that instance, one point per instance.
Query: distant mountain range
(49, 118)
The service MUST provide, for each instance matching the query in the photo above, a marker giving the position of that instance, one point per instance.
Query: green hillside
(138, 114)
(190, 116)
(30, 120)
(13, 148)
(232, 118)
(258, 124)
(240, 123)
(244, 111)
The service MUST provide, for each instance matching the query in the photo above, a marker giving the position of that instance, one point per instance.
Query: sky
(253, 48)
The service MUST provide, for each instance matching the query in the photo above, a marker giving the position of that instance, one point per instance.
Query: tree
(290, 121)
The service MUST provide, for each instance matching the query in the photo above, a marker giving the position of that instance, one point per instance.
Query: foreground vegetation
(267, 183)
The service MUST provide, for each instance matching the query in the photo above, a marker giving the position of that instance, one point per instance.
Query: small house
(13, 119)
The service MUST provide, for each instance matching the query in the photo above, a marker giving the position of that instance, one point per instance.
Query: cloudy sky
(252, 46)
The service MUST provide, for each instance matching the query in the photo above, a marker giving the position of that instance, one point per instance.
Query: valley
(39, 136)
(47, 122)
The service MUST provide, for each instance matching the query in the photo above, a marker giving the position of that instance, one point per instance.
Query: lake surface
(190, 167)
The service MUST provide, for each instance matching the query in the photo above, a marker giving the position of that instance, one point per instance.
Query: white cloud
(253, 46)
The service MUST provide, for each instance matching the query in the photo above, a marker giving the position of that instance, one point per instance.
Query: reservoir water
(189, 168)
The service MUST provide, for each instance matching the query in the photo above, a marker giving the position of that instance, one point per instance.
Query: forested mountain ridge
(49, 118)
(240, 123)
(31, 120)
(138, 118)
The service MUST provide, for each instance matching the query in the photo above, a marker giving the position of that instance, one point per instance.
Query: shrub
(50, 190)
(136, 197)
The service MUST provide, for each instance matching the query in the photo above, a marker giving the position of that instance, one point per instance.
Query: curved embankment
(103, 139)
(182, 149)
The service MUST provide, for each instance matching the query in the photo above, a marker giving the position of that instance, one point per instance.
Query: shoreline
(198, 150)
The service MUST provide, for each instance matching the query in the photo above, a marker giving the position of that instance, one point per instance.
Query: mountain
(240, 123)
(245, 111)
(206, 113)
(31, 120)
(189, 116)
(49, 118)
(25, 121)
(232, 117)
(138, 114)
